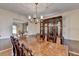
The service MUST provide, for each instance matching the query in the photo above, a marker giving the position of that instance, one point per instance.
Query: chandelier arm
(36, 10)
(36, 19)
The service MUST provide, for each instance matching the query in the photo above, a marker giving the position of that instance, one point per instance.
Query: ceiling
(43, 8)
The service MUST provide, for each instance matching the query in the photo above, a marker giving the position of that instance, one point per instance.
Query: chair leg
(13, 51)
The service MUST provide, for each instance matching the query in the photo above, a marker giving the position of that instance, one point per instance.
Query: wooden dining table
(45, 48)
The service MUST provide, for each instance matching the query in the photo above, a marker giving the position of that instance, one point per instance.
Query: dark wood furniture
(19, 49)
(16, 46)
(49, 28)
(13, 44)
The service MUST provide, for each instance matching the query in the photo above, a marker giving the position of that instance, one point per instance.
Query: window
(14, 31)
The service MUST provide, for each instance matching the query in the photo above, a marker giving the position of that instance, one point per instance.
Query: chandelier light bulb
(41, 17)
(37, 20)
(29, 17)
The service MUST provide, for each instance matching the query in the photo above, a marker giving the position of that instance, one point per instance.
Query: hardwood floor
(73, 46)
(7, 52)
(41, 48)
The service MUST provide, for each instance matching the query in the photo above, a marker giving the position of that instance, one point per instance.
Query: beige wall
(6, 21)
(70, 24)
(33, 28)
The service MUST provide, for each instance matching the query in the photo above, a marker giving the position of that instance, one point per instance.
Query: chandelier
(35, 18)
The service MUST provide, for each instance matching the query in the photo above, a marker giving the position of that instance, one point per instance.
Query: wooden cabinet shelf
(49, 27)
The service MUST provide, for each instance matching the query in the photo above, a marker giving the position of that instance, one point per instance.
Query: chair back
(13, 44)
(29, 52)
(22, 53)
(19, 49)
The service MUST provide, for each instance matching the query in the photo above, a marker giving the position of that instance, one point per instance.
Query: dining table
(45, 48)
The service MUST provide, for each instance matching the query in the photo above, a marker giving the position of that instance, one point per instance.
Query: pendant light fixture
(35, 18)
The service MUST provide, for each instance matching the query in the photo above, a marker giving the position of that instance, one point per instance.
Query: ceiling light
(35, 16)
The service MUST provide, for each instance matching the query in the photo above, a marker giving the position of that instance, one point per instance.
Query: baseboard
(71, 40)
(74, 53)
(5, 50)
